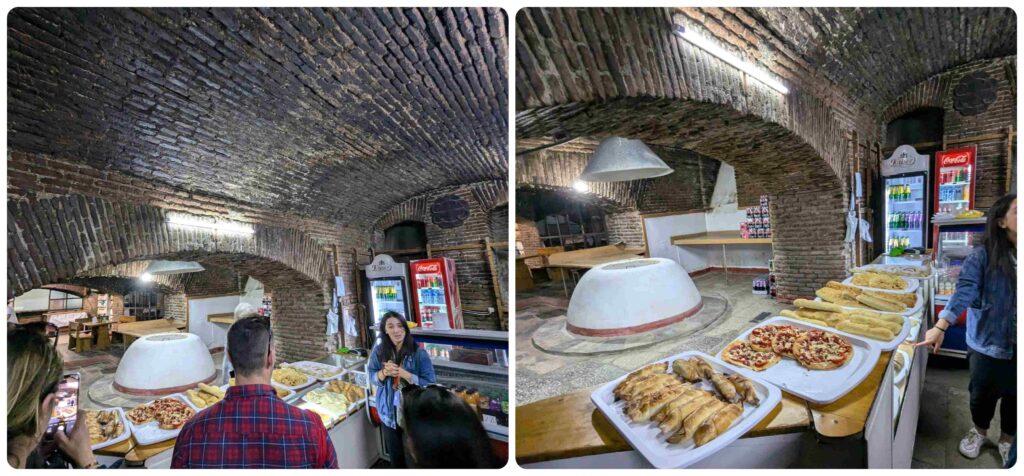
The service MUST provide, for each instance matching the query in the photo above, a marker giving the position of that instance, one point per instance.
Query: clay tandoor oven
(162, 364)
(632, 296)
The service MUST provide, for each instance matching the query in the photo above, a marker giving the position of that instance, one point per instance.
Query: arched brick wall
(58, 238)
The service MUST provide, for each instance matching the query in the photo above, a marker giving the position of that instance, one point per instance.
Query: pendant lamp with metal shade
(618, 159)
(163, 268)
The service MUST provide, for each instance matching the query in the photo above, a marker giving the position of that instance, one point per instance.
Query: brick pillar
(175, 306)
(299, 320)
(627, 227)
(808, 231)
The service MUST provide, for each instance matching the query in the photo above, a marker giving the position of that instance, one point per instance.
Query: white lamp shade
(160, 268)
(618, 159)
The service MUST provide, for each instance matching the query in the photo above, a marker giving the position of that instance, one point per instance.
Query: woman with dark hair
(987, 289)
(395, 363)
(442, 431)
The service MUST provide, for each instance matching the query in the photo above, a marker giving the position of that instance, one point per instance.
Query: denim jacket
(990, 299)
(422, 374)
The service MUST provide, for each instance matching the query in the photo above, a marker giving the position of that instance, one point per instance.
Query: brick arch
(58, 238)
(609, 204)
(488, 194)
(927, 93)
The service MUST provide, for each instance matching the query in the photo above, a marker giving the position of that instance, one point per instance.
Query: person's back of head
(249, 345)
(442, 431)
(34, 369)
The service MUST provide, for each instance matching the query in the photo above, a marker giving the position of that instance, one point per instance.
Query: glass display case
(954, 241)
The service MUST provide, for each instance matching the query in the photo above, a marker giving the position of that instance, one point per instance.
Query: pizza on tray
(740, 352)
(761, 337)
(169, 413)
(783, 340)
(821, 350)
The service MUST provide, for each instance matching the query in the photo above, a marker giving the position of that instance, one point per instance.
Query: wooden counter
(569, 425)
(718, 238)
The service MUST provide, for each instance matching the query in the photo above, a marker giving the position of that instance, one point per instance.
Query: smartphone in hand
(65, 413)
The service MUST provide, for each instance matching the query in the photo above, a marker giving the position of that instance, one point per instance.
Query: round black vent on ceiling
(449, 211)
(975, 93)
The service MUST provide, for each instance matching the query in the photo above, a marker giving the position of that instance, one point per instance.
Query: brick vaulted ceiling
(876, 54)
(334, 114)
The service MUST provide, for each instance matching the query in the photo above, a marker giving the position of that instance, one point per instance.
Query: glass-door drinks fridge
(905, 184)
(954, 184)
(388, 288)
(436, 293)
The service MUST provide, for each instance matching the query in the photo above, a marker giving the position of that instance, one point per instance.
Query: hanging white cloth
(851, 220)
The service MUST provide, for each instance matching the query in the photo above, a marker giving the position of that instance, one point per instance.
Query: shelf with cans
(758, 223)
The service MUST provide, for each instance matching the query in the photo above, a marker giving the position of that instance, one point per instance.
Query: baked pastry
(717, 423)
(673, 418)
(746, 388)
(691, 422)
(879, 281)
(740, 353)
(725, 387)
(632, 378)
(687, 370)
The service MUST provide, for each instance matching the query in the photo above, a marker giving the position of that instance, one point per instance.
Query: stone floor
(945, 415)
(540, 375)
(945, 418)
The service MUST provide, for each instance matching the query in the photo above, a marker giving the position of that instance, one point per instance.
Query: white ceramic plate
(912, 285)
(127, 433)
(646, 437)
(150, 432)
(309, 367)
(820, 386)
(309, 381)
(905, 370)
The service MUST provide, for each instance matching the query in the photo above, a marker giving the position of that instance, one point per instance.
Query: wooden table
(101, 330)
(723, 238)
(524, 277)
(569, 425)
(592, 257)
(133, 330)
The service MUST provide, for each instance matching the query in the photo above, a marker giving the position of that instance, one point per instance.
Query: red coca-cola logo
(428, 268)
(958, 159)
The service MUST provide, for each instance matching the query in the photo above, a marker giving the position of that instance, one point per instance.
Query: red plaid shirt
(253, 428)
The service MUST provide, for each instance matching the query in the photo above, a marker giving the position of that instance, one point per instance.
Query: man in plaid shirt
(252, 427)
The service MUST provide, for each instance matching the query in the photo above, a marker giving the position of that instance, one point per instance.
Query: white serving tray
(307, 364)
(882, 346)
(912, 285)
(127, 433)
(820, 386)
(905, 370)
(883, 267)
(354, 406)
(150, 432)
(335, 417)
(309, 381)
(646, 437)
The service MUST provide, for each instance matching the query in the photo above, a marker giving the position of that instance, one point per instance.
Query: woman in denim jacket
(396, 346)
(987, 289)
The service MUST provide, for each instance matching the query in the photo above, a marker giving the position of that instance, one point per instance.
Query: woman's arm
(425, 370)
(374, 367)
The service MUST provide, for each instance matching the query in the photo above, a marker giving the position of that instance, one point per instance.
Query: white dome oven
(162, 364)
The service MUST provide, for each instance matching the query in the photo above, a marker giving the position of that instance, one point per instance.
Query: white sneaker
(1004, 451)
(970, 446)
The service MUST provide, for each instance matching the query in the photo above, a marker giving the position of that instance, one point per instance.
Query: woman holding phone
(987, 290)
(34, 372)
(395, 363)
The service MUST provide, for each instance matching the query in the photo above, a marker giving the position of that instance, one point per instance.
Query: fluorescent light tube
(737, 63)
(209, 223)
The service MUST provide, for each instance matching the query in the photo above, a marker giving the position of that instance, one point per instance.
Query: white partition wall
(212, 334)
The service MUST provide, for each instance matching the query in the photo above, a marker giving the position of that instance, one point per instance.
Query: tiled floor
(945, 416)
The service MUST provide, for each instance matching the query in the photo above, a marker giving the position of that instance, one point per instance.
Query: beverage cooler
(436, 293)
(954, 184)
(388, 288)
(954, 241)
(905, 184)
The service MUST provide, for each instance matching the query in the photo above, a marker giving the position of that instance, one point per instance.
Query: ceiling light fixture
(146, 277)
(215, 224)
(711, 47)
(163, 268)
(618, 159)
(580, 186)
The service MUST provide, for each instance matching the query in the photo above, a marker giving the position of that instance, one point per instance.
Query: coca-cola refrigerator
(954, 180)
(436, 293)
(388, 290)
(905, 182)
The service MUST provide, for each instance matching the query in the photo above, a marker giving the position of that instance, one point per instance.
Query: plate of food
(336, 403)
(883, 282)
(811, 361)
(282, 393)
(291, 379)
(680, 410)
(904, 271)
(106, 427)
(322, 372)
(205, 395)
(159, 420)
(887, 329)
(856, 297)
(326, 416)
(352, 392)
(900, 366)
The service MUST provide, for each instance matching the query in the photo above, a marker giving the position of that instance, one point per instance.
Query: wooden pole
(360, 316)
(492, 264)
